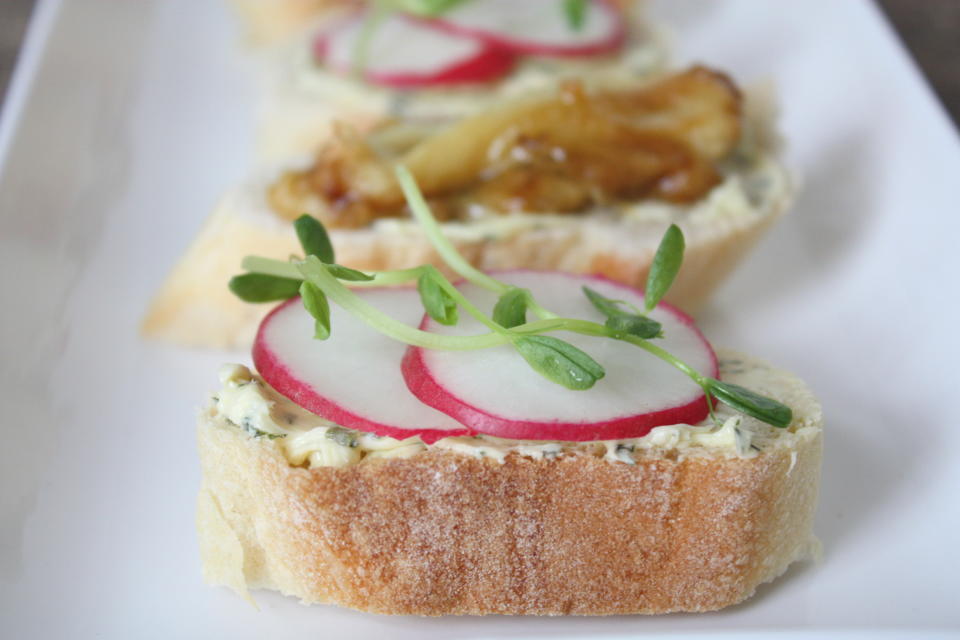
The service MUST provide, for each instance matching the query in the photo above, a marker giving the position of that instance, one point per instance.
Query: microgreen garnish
(261, 287)
(316, 304)
(621, 321)
(426, 8)
(750, 403)
(634, 325)
(439, 304)
(663, 271)
(666, 264)
(555, 359)
(511, 308)
(313, 238)
(361, 49)
(346, 273)
(576, 13)
(608, 306)
(560, 361)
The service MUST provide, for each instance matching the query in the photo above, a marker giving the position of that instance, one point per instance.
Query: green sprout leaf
(606, 306)
(261, 287)
(313, 238)
(316, 304)
(622, 321)
(346, 273)
(511, 309)
(560, 361)
(361, 48)
(576, 13)
(428, 8)
(750, 403)
(666, 264)
(438, 303)
(640, 326)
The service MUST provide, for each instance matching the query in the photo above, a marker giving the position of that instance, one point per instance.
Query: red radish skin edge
(613, 43)
(278, 376)
(430, 392)
(490, 64)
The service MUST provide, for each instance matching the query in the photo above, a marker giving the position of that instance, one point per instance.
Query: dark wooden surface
(930, 28)
(14, 15)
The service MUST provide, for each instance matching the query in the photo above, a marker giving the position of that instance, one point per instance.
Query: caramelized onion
(563, 153)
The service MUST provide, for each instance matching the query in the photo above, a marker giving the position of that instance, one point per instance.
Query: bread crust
(447, 533)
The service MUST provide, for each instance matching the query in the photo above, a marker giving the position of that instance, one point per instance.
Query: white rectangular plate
(125, 121)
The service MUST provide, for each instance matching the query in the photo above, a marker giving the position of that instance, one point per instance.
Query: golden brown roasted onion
(564, 153)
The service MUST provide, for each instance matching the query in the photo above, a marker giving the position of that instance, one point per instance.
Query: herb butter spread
(245, 402)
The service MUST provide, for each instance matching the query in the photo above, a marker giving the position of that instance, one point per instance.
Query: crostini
(574, 179)
(519, 443)
(686, 518)
(368, 63)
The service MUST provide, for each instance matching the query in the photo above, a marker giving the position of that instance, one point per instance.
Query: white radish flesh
(539, 27)
(353, 378)
(404, 52)
(495, 391)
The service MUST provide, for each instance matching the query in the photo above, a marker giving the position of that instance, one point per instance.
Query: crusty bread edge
(446, 533)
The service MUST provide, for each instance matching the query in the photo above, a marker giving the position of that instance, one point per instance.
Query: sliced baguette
(194, 306)
(301, 99)
(444, 532)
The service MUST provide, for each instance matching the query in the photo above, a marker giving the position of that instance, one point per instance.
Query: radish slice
(352, 378)
(538, 27)
(406, 53)
(495, 392)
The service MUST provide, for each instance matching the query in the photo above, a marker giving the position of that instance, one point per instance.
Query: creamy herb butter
(246, 402)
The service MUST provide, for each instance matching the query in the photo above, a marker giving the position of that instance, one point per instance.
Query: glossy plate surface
(127, 119)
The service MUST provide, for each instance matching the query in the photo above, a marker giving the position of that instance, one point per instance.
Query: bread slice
(682, 523)
(195, 308)
(301, 99)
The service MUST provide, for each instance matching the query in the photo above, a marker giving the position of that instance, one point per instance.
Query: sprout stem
(421, 212)
(314, 271)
